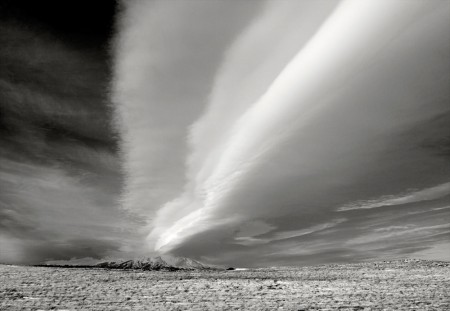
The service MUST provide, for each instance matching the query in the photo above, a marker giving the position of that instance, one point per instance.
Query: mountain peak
(165, 262)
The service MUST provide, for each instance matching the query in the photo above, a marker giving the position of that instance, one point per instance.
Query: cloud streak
(411, 197)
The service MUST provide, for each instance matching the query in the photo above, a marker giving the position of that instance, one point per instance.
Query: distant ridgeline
(168, 263)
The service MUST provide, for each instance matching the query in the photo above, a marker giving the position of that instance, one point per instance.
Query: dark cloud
(60, 172)
(50, 92)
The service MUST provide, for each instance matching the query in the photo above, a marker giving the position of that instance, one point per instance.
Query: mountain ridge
(158, 263)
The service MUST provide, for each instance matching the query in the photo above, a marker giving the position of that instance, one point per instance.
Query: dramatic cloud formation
(245, 133)
(286, 131)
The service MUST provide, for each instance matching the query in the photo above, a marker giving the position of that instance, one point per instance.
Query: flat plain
(394, 285)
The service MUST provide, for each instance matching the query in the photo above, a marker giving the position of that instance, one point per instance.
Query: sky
(250, 133)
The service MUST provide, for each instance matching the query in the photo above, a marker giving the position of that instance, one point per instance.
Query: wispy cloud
(410, 197)
(399, 232)
(283, 235)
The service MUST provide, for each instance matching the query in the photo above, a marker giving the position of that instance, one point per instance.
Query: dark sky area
(59, 169)
(87, 23)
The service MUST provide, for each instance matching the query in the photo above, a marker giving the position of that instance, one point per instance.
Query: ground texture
(397, 285)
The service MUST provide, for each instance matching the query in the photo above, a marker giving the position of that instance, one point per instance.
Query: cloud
(413, 196)
(380, 235)
(283, 235)
(294, 113)
(163, 71)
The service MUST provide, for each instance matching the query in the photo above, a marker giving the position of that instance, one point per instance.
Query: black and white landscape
(391, 285)
(152, 141)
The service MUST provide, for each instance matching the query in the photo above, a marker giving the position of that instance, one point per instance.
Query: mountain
(186, 263)
(164, 263)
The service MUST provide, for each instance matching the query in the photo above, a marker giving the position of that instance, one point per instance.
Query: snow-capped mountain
(168, 263)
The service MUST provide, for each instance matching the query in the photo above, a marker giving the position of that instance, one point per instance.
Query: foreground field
(404, 285)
